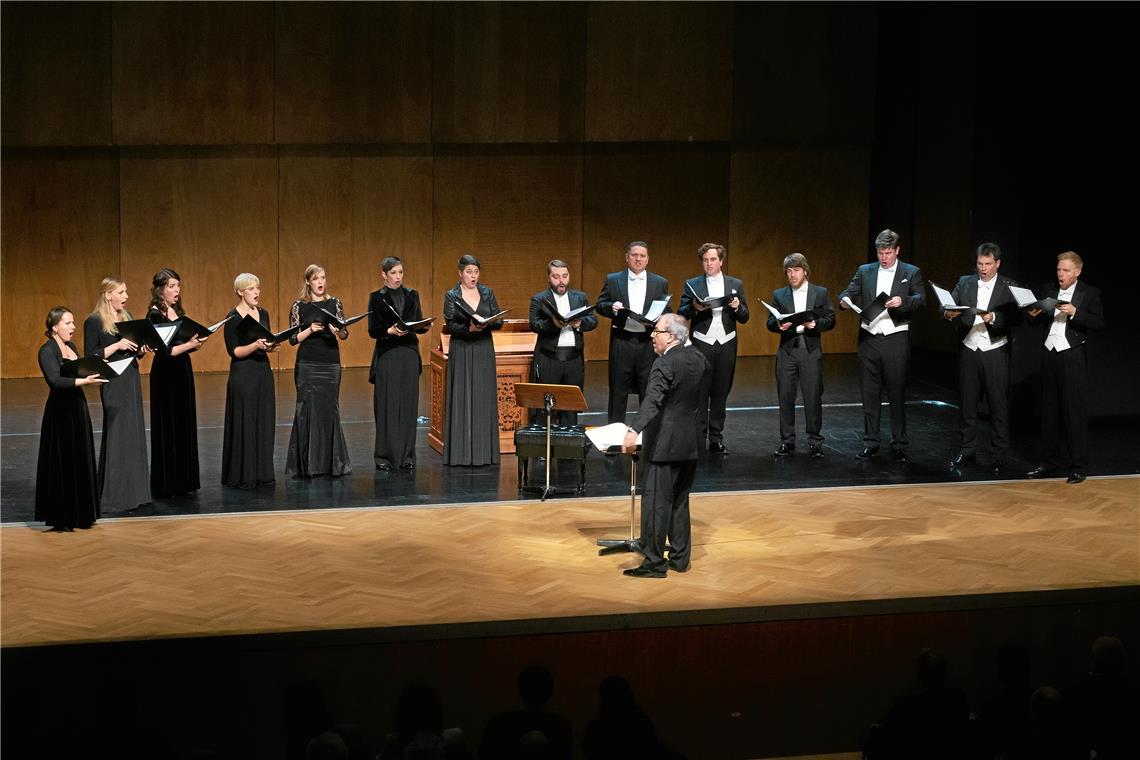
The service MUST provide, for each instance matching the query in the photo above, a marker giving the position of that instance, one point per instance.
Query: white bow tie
(637, 277)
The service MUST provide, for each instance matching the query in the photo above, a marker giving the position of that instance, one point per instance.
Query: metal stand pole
(631, 544)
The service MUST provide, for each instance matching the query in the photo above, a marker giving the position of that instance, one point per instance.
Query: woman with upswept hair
(124, 482)
(173, 403)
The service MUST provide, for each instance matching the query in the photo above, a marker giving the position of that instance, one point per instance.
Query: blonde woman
(251, 408)
(316, 445)
(124, 478)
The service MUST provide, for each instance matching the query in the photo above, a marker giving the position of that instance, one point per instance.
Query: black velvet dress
(395, 373)
(124, 481)
(471, 424)
(173, 422)
(251, 413)
(67, 494)
(316, 443)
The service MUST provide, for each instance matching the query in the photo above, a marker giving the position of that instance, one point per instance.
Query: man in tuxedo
(884, 346)
(713, 329)
(631, 351)
(983, 359)
(667, 424)
(1064, 370)
(558, 350)
(799, 361)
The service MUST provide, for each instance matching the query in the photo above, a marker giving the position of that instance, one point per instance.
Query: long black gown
(395, 373)
(471, 435)
(173, 422)
(124, 481)
(67, 493)
(316, 443)
(251, 413)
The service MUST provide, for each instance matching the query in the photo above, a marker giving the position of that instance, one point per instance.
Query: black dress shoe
(963, 458)
(785, 449)
(866, 454)
(383, 466)
(997, 467)
(718, 447)
(1076, 477)
(900, 456)
(816, 452)
(643, 572)
(679, 568)
(1040, 471)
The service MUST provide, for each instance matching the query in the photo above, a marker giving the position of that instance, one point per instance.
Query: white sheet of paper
(166, 332)
(656, 309)
(1024, 296)
(851, 306)
(120, 365)
(607, 436)
(779, 317)
(946, 300)
(214, 328)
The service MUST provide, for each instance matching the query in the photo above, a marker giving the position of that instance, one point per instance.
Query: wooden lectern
(514, 349)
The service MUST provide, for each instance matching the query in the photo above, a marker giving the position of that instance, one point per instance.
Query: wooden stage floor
(334, 569)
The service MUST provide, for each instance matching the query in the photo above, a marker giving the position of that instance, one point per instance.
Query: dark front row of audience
(1092, 718)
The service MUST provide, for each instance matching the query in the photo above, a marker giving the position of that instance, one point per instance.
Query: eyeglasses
(659, 332)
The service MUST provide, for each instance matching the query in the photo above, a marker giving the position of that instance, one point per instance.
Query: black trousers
(882, 364)
(984, 372)
(565, 367)
(1064, 409)
(665, 514)
(631, 357)
(799, 368)
(717, 384)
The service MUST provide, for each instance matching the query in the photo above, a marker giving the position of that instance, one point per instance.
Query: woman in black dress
(67, 494)
(251, 407)
(124, 482)
(395, 369)
(471, 435)
(316, 445)
(173, 407)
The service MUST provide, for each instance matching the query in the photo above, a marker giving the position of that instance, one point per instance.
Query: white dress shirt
(716, 333)
(636, 300)
(1056, 340)
(978, 338)
(566, 337)
(886, 325)
(799, 302)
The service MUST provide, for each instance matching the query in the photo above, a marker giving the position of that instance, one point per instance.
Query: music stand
(566, 398)
(631, 544)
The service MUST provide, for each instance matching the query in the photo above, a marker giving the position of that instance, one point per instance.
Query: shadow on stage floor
(751, 435)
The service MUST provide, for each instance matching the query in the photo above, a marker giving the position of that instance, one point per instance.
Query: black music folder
(145, 333)
(652, 314)
(552, 309)
(798, 318)
(713, 302)
(249, 330)
(1027, 300)
(469, 315)
(312, 313)
(947, 302)
(419, 326)
(85, 366)
(188, 328)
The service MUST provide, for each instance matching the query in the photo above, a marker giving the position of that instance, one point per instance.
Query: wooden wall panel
(56, 73)
(353, 72)
(804, 72)
(658, 71)
(515, 210)
(392, 216)
(508, 72)
(60, 239)
(315, 227)
(812, 202)
(673, 199)
(192, 73)
(210, 213)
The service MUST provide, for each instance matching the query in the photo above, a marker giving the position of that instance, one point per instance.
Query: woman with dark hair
(395, 369)
(67, 495)
(124, 484)
(173, 404)
(251, 406)
(316, 445)
(471, 435)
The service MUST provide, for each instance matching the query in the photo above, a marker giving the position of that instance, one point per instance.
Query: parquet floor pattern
(140, 578)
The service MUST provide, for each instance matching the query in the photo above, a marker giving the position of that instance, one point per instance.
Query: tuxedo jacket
(667, 418)
(617, 289)
(547, 329)
(1089, 316)
(817, 300)
(862, 290)
(701, 321)
(1002, 304)
(380, 318)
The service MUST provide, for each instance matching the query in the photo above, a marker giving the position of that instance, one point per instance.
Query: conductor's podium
(514, 348)
(566, 442)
